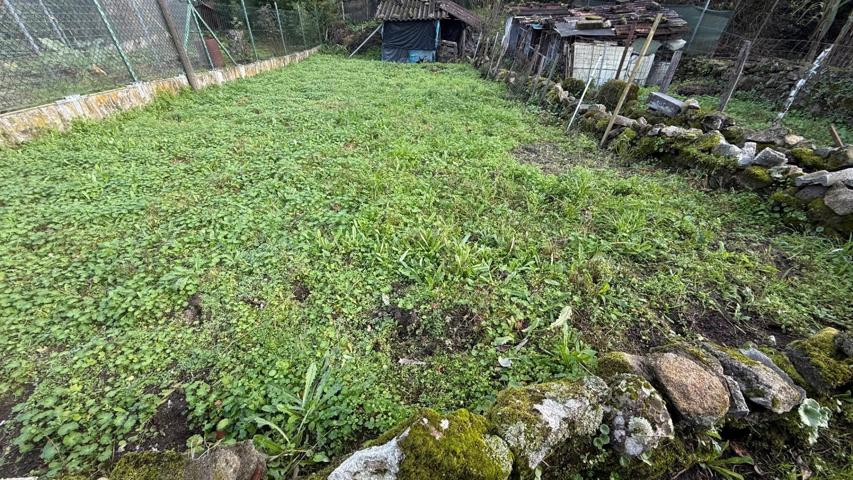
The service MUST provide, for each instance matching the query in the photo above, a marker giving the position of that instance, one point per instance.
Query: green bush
(611, 91)
(573, 86)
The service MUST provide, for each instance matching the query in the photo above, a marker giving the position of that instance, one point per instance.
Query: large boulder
(637, 415)
(698, 395)
(432, 446)
(536, 420)
(821, 363)
(762, 384)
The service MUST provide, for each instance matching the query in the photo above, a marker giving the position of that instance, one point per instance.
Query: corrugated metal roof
(456, 11)
(406, 10)
(403, 10)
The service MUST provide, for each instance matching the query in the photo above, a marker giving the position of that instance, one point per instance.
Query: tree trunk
(840, 54)
(830, 10)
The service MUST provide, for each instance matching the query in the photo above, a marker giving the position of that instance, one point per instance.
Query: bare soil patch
(169, 427)
(12, 463)
(414, 339)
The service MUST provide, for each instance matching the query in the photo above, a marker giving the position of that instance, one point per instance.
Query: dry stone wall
(639, 416)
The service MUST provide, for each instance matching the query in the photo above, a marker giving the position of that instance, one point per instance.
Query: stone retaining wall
(22, 125)
(639, 416)
(805, 182)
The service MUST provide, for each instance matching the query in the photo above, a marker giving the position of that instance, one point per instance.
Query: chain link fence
(52, 49)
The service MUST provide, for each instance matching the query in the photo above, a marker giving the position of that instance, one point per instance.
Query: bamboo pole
(634, 72)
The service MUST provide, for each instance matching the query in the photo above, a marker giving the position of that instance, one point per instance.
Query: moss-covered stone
(819, 362)
(623, 142)
(150, 466)
(616, 363)
(734, 134)
(806, 157)
(539, 420)
(453, 446)
(755, 177)
(637, 415)
(823, 215)
(787, 199)
(649, 147)
(784, 364)
(708, 142)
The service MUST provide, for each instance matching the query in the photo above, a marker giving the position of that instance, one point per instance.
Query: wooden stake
(736, 73)
(670, 72)
(835, 136)
(179, 47)
(634, 72)
(629, 45)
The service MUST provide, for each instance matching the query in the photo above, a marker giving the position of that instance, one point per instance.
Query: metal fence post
(115, 40)
(249, 27)
(698, 25)
(301, 26)
(213, 34)
(53, 24)
(23, 28)
(736, 73)
(201, 39)
(187, 26)
(317, 23)
(280, 30)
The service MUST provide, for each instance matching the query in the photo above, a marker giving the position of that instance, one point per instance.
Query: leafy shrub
(611, 91)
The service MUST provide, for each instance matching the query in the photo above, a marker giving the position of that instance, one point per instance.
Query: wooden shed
(414, 30)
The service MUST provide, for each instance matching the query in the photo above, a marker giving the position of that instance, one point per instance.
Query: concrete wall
(22, 125)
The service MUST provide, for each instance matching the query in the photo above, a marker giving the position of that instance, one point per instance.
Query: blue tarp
(412, 42)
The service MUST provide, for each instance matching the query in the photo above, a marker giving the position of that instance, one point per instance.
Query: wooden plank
(670, 72)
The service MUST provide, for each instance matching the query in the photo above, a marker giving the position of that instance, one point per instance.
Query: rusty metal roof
(403, 10)
(407, 10)
(457, 11)
(623, 18)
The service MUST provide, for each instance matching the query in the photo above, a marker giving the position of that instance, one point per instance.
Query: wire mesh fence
(52, 49)
(358, 10)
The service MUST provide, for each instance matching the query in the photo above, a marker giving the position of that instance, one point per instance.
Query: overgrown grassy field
(212, 247)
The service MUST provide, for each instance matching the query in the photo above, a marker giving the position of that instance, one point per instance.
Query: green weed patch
(218, 243)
